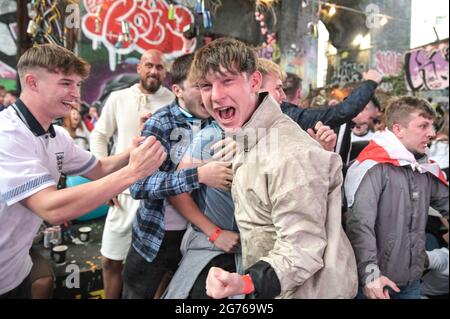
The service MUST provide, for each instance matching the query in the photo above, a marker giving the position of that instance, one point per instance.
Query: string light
(331, 9)
(362, 41)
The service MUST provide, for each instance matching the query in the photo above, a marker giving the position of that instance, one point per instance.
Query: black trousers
(23, 291)
(141, 278)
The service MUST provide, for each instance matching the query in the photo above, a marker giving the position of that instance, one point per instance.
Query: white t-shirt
(439, 153)
(28, 164)
(366, 137)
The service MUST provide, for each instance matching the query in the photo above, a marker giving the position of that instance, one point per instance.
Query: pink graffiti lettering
(149, 26)
(427, 68)
(388, 63)
(7, 72)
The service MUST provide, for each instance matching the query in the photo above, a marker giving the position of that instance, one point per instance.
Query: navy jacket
(335, 115)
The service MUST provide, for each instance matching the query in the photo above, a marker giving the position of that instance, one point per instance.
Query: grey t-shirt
(216, 204)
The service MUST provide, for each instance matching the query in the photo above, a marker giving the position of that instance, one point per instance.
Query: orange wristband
(248, 284)
(215, 235)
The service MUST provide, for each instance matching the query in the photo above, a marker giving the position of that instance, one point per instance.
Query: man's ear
(256, 81)
(177, 90)
(397, 129)
(30, 80)
(298, 94)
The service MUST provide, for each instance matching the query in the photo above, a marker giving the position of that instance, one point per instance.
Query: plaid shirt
(174, 131)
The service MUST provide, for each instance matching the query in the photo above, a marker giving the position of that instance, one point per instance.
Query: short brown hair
(180, 68)
(266, 66)
(291, 84)
(52, 58)
(233, 55)
(400, 109)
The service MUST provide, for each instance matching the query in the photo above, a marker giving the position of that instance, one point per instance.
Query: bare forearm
(186, 206)
(110, 164)
(58, 206)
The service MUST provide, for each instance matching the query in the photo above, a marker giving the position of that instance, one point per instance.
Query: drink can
(47, 237)
(57, 235)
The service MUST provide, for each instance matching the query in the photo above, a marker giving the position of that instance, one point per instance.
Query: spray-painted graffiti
(265, 52)
(388, 63)
(270, 52)
(427, 67)
(149, 27)
(348, 72)
(7, 72)
(8, 49)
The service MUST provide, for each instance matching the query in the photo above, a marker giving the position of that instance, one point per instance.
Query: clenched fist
(146, 158)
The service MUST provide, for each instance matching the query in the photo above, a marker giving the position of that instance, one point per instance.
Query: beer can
(48, 234)
(57, 235)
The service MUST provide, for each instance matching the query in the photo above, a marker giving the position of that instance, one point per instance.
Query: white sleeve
(77, 161)
(105, 127)
(438, 259)
(22, 173)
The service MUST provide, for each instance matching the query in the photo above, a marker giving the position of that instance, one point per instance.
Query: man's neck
(33, 106)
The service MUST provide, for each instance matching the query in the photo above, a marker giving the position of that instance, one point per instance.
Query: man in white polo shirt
(34, 155)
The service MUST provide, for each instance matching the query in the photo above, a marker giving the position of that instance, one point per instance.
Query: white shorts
(117, 232)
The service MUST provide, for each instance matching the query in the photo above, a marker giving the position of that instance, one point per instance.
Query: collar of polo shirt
(30, 121)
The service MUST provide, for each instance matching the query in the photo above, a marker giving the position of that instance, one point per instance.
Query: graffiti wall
(149, 26)
(426, 67)
(8, 48)
(117, 32)
(348, 72)
(388, 63)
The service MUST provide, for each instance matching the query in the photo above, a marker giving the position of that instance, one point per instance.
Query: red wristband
(215, 235)
(248, 284)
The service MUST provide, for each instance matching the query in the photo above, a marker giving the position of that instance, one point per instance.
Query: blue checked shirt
(174, 130)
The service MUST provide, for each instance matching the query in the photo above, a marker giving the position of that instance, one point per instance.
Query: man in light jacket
(286, 188)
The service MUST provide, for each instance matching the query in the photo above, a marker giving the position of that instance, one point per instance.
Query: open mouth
(226, 114)
(70, 104)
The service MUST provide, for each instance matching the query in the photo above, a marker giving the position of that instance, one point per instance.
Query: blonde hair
(266, 66)
(52, 58)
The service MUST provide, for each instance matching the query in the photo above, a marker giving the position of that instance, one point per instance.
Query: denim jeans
(411, 291)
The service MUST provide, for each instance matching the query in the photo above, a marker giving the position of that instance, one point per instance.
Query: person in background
(439, 146)
(292, 86)
(389, 189)
(121, 115)
(435, 279)
(361, 132)
(2, 96)
(92, 117)
(77, 130)
(10, 98)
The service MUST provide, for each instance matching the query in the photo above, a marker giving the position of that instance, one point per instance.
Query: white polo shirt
(30, 160)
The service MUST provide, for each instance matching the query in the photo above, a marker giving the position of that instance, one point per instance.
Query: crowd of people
(225, 186)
